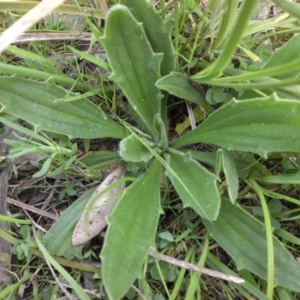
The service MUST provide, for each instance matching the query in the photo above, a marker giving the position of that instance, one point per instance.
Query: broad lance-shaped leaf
(244, 238)
(34, 102)
(257, 125)
(135, 66)
(131, 233)
(158, 34)
(195, 185)
(157, 31)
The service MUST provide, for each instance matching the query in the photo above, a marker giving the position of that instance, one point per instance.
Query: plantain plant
(143, 63)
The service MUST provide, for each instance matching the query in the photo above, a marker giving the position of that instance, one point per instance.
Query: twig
(139, 292)
(34, 223)
(31, 208)
(49, 197)
(51, 36)
(193, 267)
(191, 115)
(68, 295)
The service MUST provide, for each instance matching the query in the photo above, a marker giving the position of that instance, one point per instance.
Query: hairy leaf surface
(244, 238)
(34, 102)
(131, 233)
(157, 32)
(195, 185)
(135, 66)
(257, 125)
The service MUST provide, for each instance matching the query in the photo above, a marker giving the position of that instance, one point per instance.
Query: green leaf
(44, 169)
(27, 55)
(91, 58)
(227, 20)
(282, 64)
(34, 102)
(244, 238)
(132, 149)
(135, 66)
(166, 235)
(195, 185)
(179, 85)
(280, 179)
(217, 95)
(275, 206)
(157, 31)
(257, 125)
(57, 240)
(131, 233)
(231, 175)
(22, 71)
(291, 7)
(287, 236)
(286, 55)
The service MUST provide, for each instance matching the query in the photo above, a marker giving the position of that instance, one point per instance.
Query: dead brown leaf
(93, 219)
